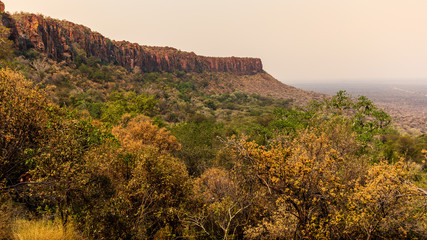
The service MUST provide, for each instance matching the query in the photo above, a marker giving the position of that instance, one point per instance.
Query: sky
(299, 41)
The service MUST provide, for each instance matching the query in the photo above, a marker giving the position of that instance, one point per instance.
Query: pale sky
(297, 40)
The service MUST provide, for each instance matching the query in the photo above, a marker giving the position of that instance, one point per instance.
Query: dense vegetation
(120, 154)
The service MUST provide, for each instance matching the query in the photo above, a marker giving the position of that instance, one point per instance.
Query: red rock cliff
(61, 40)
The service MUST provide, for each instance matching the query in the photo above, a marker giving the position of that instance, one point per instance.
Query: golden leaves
(139, 132)
(315, 188)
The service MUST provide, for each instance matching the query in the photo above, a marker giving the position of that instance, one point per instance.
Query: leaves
(300, 173)
(318, 197)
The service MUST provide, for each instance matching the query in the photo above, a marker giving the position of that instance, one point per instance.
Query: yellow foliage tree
(24, 121)
(157, 183)
(139, 132)
(384, 204)
(317, 197)
(222, 204)
(303, 175)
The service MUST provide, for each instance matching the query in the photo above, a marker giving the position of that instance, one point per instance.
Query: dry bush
(43, 230)
(140, 132)
(5, 218)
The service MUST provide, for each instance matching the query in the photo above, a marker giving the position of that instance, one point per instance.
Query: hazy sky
(298, 40)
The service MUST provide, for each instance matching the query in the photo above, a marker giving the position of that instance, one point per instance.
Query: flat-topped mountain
(62, 40)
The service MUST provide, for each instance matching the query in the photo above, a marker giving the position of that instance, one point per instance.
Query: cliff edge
(63, 41)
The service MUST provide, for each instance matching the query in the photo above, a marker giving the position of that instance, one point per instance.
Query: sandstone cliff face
(61, 40)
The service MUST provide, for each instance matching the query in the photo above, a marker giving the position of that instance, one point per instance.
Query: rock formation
(62, 40)
(1, 7)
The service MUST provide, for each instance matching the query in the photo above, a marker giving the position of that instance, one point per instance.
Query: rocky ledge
(64, 41)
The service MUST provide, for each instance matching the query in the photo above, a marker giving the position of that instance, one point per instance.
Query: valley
(407, 104)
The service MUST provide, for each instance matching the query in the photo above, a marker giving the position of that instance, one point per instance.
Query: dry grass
(43, 230)
(4, 223)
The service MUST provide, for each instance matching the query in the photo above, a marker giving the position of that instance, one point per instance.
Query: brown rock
(1, 7)
(59, 40)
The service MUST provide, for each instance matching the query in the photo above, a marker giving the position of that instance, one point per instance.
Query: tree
(384, 204)
(199, 144)
(316, 195)
(223, 203)
(157, 183)
(25, 115)
(303, 177)
(5, 43)
(139, 132)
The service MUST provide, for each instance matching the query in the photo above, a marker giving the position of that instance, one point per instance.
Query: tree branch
(6, 189)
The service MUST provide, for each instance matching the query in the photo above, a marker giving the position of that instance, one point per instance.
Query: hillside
(66, 41)
(111, 140)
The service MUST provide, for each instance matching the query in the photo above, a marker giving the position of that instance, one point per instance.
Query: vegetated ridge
(94, 150)
(66, 41)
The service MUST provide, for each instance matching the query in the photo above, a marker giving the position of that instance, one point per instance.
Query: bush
(5, 218)
(43, 230)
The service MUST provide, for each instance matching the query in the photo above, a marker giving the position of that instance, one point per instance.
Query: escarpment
(64, 41)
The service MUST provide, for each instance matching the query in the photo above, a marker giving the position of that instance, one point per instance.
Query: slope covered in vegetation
(98, 151)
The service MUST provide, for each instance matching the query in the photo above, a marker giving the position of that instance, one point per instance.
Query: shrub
(43, 230)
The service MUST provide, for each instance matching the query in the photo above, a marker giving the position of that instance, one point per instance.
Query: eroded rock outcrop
(1, 7)
(63, 40)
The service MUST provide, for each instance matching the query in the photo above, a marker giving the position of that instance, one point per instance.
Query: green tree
(199, 144)
(5, 44)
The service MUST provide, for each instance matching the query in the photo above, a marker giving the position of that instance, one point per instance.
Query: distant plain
(406, 103)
